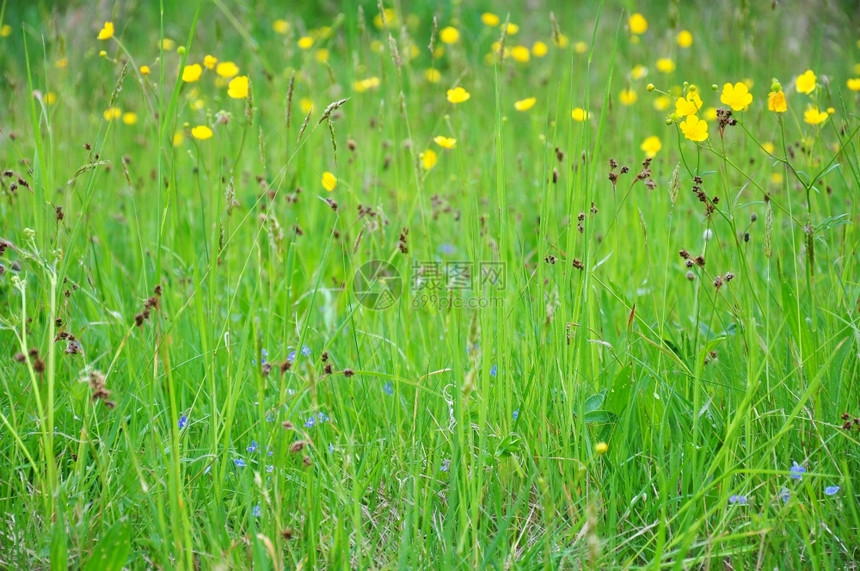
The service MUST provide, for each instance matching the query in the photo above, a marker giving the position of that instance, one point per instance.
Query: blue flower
(493, 370)
(742, 500)
(269, 469)
(306, 351)
(446, 463)
(322, 417)
(309, 423)
(256, 511)
(183, 422)
(239, 462)
(263, 354)
(291, 356)
(253, 446)
(831, 490)
(516, 414)
(388, 388)
(797, 471)
(784, 495)
(330, 448)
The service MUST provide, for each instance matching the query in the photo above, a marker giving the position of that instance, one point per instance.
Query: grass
(192, 378)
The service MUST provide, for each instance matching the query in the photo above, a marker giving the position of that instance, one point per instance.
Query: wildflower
(684, 106)
(51, 98)
(306, 351)
(458, 95)
(5, 31)
(106, 32)
(512, 29)
(742, 500)
(183, 422)
(445, 142)
(281, 26)
(579, 114)
(329, 182)
(365, 84)
(178, 137)
(428, 159)
(520, 54)
(814, 116)
(539, 49)
(432, 75)
(490, 19)
(601, 448)
(784, 495)
(446, 463)
(627, 97)
(831, 490)
(322, 417)
(662, 102)
(694, 129)
(201, 132)
(638, 72)
(102, 53)
(256, 511)
(209, 62)
(129, 118)
(494, 370)
(666, 65)
(253, 447)
(226, 69)
(710, 114)
(736, 96)
(166, 44)
(768, 147)
(638, 24)
(580, 47)
(525, 104)
(797, 471)
(239, 462)
(516, 414)
(806, 82)
(388, 388)
(321, 55)
(854, 84)
(144, 70)
(651, 145)
(112, 113)
(238, 87)
(309, 423)
(776, 100)
(449, 35)
(270, 468)
(305, 43)
(684, 39)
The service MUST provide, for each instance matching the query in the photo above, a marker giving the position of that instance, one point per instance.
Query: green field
(523, 285)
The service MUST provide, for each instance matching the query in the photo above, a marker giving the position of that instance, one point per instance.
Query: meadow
(541, 285)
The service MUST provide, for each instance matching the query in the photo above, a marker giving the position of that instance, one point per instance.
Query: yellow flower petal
(201, 132)
(525, 104)
(329, 181)
(106, 32)
(445, 142)
(458, 95)
(192, 73)
(238, 87)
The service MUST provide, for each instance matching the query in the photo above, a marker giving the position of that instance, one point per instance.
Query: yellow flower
(209, 61)
(806, 82)
(192, 73)
(710, 114)
(601, 448)
(854, 84)
(428, 159)
(61, 63)
(112, 113)
(50, 98)
(306, 105)
(198, 104)
(666, 65)
(689, 105)
(694, 129)
(144, 70)
(305, 43)
(178, 137)
(365, 84)
(458, 95)
(520, 53)
(768, 147)
(539, 49)
(449, 35)
(106, 32)
(5, 31)
(525, 104)
(815, 116)
(579, 114)
(201, 132)
(561, 41)
(662, 102)
(490, 19)
(638, 24)
(129, 118)
(227, 69)
(329, 181)
(776, 177)
(166, 44)
(432, 75)
(321, 55)
(238, 87)
(438, 52)
(685, 39)
(445, 142)
(281, 26)
(651, 145)
(580, 47)
(736, 96)
(102, 53)
(512, 29)
(776, 101)
(638, 72)
(387, 18)
(627, 97)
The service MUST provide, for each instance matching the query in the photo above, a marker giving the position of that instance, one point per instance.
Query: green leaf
(510, 444)
(599, 417)
(594, 402)
(619, 394)
(111, 553)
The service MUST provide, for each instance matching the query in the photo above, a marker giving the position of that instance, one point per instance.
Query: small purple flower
(516, 414)
(263, 355)
(797, 471)
(252, 447)
(388, 388)
(831, 490)
(183, 422)
(493, 370)
(742, 500)
(306, 351)
(446, 463)
(784, 495)
(309, 423)
(291, 356)
(239, 462)
(256, 511)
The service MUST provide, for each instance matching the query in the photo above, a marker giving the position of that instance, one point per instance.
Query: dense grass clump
(429, 285)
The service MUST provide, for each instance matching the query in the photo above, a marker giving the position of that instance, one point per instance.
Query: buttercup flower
(694, 129)
(512, 29)
(281, 26)
(627, 97)
(428, 159)
(458, 95)
(814, 116)
(5, 31)
(601, 448)
(539, 49)
(106, 32)
(638, 72)
(432, 75)
(638, 24)
(665, 65)
(490, 19)
(736, 96)
(209, 61)
(227, 69)
(129, 118)
(445, 142)
(579, 114)
(191, 73)
(112, 113)
(238, 87)
(688, 105)
(520, 54)
(525, 104)
(651, 145)
(305, 43)
(329, 181)
(806, 82)
(201, 132)
(449, 35)
(776, 102)
(684, 39)
(144, 70)
(854, 84)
